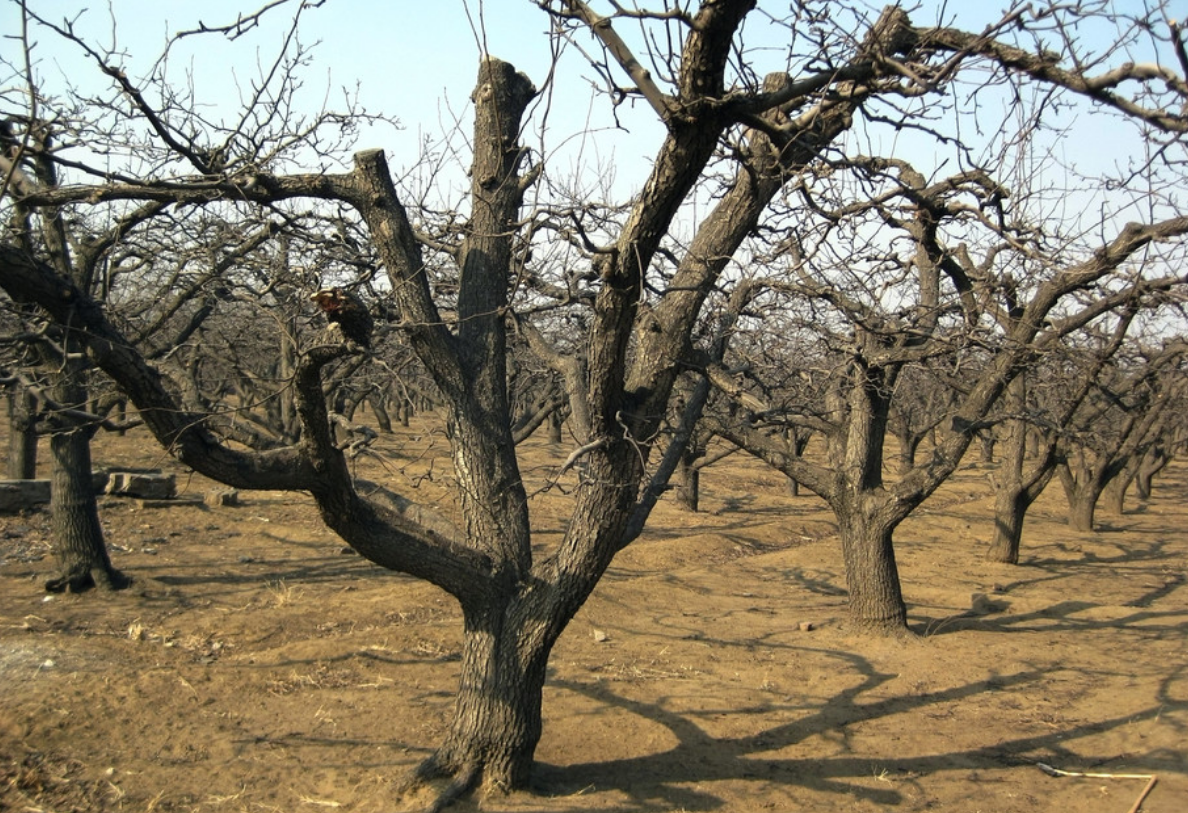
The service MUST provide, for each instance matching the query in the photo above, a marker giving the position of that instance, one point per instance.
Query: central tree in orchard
(637, 295)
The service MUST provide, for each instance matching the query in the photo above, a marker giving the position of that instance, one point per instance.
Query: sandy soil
(255, 666)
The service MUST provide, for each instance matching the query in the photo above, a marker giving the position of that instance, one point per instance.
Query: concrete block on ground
(21, 495)
(222, 496)
(146, 486)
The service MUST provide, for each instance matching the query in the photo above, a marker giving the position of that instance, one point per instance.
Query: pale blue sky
(417, 61)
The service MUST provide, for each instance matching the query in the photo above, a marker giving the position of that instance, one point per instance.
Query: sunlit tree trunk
(1016, 490)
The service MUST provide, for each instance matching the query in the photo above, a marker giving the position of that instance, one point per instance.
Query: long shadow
(313, 570)
(1156, 551)
(676, 778)
(1058, 617)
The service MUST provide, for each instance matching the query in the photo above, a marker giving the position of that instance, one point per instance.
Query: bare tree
(1123, 417)
(629, 280)
(1064, 379)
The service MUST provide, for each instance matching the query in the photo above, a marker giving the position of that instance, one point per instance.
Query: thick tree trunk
(1082, 509)
(22, 435)
(876, 600)
(497, 713)
(78, 542)
(1115, 493)
(79, 546)
(1152, 463)
(1010, 510)
(1083, 490)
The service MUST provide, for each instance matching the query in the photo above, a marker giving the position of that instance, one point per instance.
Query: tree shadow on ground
(678, 778)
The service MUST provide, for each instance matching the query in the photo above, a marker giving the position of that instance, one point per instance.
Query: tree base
(431, 787)
(92, 578)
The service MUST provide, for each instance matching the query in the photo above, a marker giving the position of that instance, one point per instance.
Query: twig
(1050, 771)
(1134, 808)
(1138, 803)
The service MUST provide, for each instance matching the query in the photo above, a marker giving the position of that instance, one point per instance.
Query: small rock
(600, 636)
(980, 604)
(806, 626)
(222, 497)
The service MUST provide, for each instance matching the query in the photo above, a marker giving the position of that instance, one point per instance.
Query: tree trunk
(876, 600)
(22, 435)
(1151, 464)
(987, 441)
(497, 714)
(793, 486)
(909, 445)
(1010, 510)
(79, 548)
(382, 419)
(1082, 509)
(78, 538)
(1083, 489)
(688, 490)
(1014, 492)
(1115, 493)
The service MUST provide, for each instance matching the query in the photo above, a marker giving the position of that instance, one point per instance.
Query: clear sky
(415, 61)
(412, 60)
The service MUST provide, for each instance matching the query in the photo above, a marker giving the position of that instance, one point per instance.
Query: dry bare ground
(255, 666)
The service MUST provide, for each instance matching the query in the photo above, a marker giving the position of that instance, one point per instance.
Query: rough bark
(1015, 489)
(22, 435)
(688, 490)
(876, 600)
(79, 546)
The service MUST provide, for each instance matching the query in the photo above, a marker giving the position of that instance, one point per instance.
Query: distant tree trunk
(987, 440)
(1115, 492)
(79, 547)
(1016, 492)
(688, 490)
(793, 486)
(288, 424)
(1083, 489)
(1153, 462)
(909, 445)
(22, 435)
(121, 410)
(799, 438)
(1033, 443)
(382, 418)
(555, 427)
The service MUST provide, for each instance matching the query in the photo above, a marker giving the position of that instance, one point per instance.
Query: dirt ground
(256, 666)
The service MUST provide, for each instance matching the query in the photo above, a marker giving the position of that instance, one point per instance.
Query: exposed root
(462, 782)
(79, 581)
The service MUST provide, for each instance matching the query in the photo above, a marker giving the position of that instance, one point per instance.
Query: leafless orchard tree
(630, 279)
(1037, 406)
(1128, 410)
